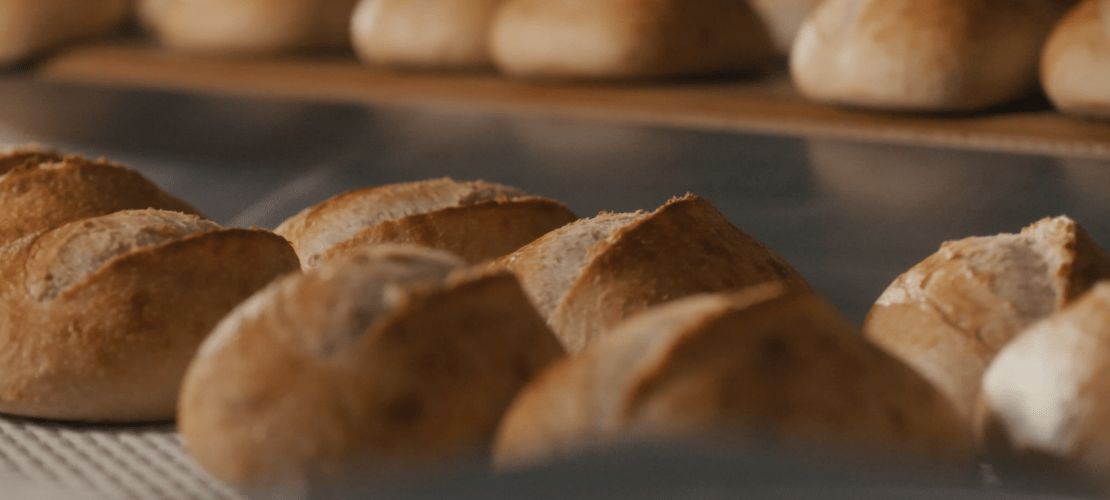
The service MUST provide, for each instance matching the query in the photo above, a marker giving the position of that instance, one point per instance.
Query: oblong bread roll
(241, 27)
(949, 315)
(440, 34)
(940, 55)
(380, 363)
(99, 317)
(1075, 65)
(590, 275)
(783, 19)
(765, 363)
(44, 191)
(628, 39)
(30, 27)
(475, 220)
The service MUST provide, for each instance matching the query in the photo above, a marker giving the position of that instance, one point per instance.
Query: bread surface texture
(767, 363)
(627, 39)
(1075, 65)
(30, 27)
(783, 18)
(590, 275)
(381, 363)
(940, 55)
(248, 27)
(434, 34)
(99, 317)
(950, 315)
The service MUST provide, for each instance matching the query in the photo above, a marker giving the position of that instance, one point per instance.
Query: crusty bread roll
(376, 364)
(590, 275)
(99, 317)
(1047, 395)
(40, 190)
(783, 18)
(30, 27)
(238, 27)
(765, 362)
(447, 34)
(1075, 65)
(949, 315)
(939, 55)
(475, 220)
(32, 154)
(628, 39)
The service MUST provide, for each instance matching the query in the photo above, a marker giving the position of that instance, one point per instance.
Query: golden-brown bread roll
(1075, 65)
(783, 18)
(949, 315)
(628, 39)
(939, 55)
(766, 363)
(380, 363)
(474, 220)
(237, 27)
(590, 275)
(30, 27)
(40, 190)
(444, 34)
(99, 317)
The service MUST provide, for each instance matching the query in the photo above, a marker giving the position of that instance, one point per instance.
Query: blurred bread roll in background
(783, 18)
(30, 27)
(1075, 66)
(440, 34)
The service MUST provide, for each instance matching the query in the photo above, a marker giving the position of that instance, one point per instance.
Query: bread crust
(30, 27)
(783, 18)
(32, 154)
(437, 34)
(1075, 65)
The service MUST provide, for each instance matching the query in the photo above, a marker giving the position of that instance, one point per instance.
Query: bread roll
(1075, 65)
(241, 27)
(99, 317)
(32, 154)
(951, 314)
(628, 39)
(45, 191)
(1047, 394)
(475, 220)
(445, 34)
(590, 275)
(940, 55)
(783, 18)
(765, 362)
(30, 27)
(373, 365)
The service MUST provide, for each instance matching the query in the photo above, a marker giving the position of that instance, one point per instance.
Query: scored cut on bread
(440, 34)
(30, 27)
(940, 55)
(949, 315)
(475, 220)
(240, 27)
(1075, 65)
(628, 39)
(767, 362)
(588, 276)
(99, 317)
(382, 363)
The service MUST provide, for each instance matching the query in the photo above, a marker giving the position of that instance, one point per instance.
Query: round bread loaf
(475, 220)
(99, 317)
(1075, 65)
(948, 316)
(239, 27)
(588, 276)
(783, 18)
(939, 55)
(380, 363)
(40, 191)
(446, 34)
(628, 39)
(766, 363)
(30, 27)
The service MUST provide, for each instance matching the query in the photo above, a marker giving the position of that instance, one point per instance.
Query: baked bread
(30, 27)
(766, 362)
(949, 315)
(783, 18)
(247, 27)
(628, 39)
(475, 220)
(1046, 396)
(440, 34)
(590, 275)
(99, 317)
(940, 55)
(40, 191)
(1075, 65)
(33, 154)
(381, 363)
